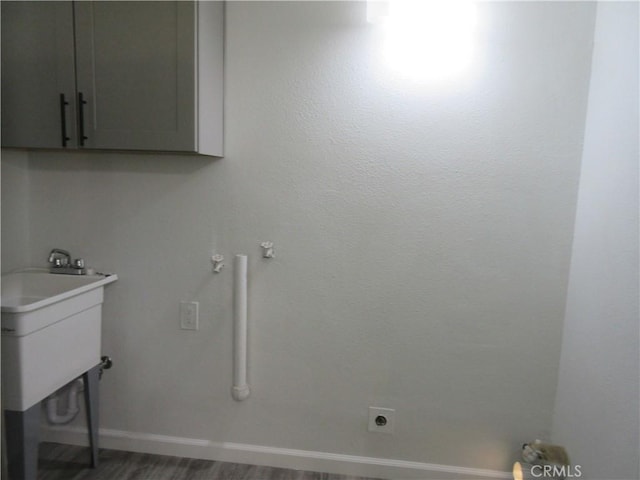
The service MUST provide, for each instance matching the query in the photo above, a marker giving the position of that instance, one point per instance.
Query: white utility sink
(51, 332)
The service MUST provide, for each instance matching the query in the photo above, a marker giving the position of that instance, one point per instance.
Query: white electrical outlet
(381, 420)
(189, 315)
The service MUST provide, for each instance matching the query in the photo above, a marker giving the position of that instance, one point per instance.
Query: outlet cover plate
(189, 315)
(381, 420)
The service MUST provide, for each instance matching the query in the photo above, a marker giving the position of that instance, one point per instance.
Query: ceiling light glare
(427, 39)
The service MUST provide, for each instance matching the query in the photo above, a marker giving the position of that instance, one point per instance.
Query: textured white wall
(422, 237)
(15, 209)
(597, 399)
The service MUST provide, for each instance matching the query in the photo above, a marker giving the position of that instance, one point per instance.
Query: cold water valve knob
(267, 250)
(218, 262)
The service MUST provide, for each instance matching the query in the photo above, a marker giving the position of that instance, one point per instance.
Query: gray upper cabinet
(38, 75)
(113, 75)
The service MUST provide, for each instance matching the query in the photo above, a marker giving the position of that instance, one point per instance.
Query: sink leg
(22, 430)
(91, 381)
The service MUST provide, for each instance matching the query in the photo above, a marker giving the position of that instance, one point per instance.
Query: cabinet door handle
(63, 119)
(81, 103)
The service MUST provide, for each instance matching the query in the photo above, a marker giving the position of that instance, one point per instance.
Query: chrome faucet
(60, 261)
(59, 257)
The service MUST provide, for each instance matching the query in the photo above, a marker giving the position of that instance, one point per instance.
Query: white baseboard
(270, 456)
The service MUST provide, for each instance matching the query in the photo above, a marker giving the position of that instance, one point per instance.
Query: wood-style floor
(65, 462)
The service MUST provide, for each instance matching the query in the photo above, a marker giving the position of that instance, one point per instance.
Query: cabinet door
(37, 68)
(136, 71)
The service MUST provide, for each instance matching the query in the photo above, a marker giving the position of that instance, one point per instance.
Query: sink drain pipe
(72, 390)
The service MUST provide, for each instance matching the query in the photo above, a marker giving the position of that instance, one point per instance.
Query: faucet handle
(78, 263)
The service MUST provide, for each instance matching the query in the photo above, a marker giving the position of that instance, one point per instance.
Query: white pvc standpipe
(240, 389)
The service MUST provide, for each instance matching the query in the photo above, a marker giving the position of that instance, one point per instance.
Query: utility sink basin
(51, 332)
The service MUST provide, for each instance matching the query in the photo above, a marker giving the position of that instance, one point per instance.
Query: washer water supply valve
(267, 250)
(218, 263)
